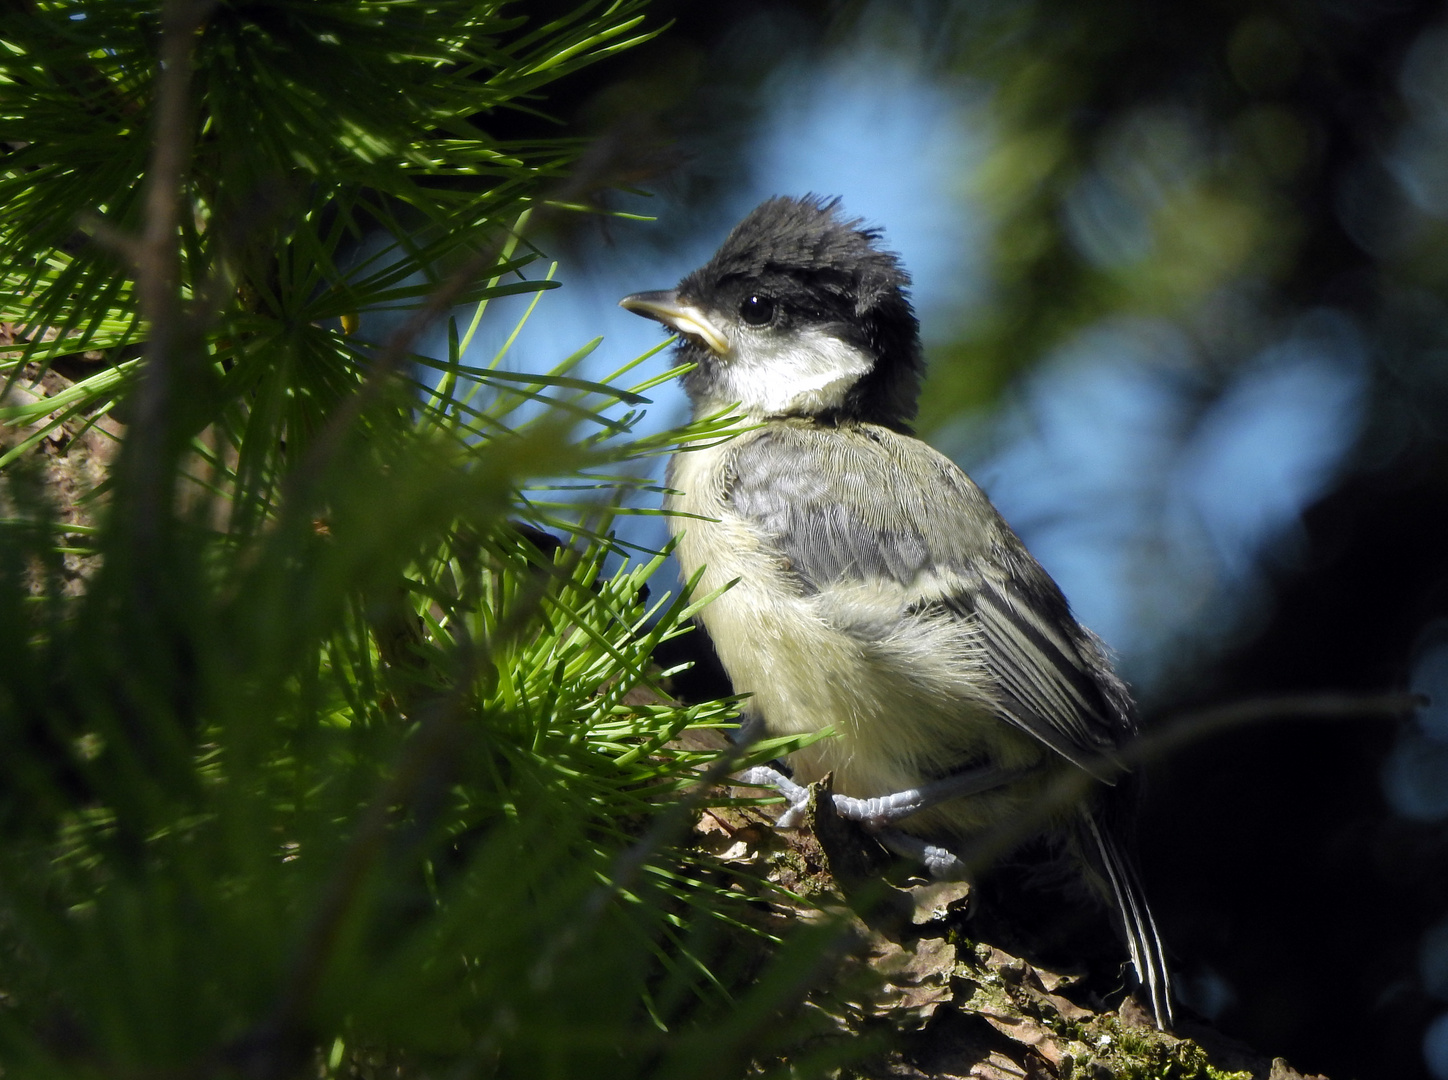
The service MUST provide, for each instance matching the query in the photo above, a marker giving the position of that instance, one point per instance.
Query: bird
(865, 583)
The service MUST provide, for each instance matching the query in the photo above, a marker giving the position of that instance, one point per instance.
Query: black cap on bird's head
(799, 313)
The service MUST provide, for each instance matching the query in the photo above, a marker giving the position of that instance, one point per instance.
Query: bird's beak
(677, 315)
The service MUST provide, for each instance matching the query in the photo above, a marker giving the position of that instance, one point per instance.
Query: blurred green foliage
(332, 760)
(1223, 168)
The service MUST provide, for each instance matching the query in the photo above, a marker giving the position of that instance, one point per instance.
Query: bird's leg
(885, 810)
(877, 814)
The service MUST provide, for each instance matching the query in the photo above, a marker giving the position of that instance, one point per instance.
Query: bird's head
(799, 313)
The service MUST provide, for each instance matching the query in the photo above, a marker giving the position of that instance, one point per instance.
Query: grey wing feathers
(1054, 691)
(865, 504)
(837, 504)
(810, 497)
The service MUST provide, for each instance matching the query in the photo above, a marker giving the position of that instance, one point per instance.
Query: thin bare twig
(1205, 723)
(156, 260)
(1073, 786)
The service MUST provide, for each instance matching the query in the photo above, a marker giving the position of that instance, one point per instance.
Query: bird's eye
(756, 310)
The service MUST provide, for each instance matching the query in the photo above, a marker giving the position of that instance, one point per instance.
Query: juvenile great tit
(878, 591)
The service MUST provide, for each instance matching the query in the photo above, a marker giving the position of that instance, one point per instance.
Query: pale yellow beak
(688, 320)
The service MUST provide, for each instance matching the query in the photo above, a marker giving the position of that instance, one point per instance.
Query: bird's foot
(796, 795)
(940, 863)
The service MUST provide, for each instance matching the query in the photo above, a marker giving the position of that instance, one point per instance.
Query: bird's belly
(905, 695)
(898, 720)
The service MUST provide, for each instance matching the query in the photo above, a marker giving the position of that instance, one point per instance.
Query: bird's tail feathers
(1138, 926)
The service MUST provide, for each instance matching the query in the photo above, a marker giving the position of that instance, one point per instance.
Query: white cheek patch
(804, 371)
